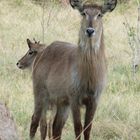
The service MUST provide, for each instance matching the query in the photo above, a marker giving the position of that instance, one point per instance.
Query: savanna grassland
(118, 113)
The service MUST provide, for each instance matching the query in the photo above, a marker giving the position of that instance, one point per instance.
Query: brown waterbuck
(66, 75)
(90, 69)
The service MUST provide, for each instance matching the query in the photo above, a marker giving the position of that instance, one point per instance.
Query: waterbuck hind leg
(59, 120)
(77, 121)
(43, 124)
(34, 125)
(90, 111)
(39, 103)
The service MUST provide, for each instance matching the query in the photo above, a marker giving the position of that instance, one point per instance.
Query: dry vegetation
(7, 123)
(118, 114)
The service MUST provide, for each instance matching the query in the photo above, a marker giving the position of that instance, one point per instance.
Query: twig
(49, 16)
(43, 20)
(134, 41)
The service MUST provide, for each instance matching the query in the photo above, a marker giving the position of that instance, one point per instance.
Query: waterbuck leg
(43, 124)
(59, 121)
(39, 102)
(34, 123)
(90, 111)
(77, 121)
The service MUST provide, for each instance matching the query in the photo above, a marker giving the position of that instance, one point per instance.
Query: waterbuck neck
(92, 63)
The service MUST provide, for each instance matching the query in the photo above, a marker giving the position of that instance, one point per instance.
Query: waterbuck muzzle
(90, 32)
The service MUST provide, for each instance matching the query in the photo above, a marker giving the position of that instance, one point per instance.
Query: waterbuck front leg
(59, 120)
(77, 120)
(91, 106)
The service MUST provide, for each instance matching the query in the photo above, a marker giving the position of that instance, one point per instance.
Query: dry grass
(118, 114)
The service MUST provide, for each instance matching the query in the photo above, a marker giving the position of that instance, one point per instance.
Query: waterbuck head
(91, 24)
(27, 60)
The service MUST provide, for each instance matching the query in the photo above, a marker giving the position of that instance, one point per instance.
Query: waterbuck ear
(29, 43)
(109, 6)
(36, 42)
(76, 4)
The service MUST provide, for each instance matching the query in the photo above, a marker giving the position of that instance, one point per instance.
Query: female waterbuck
(90, 66)
(66, 75)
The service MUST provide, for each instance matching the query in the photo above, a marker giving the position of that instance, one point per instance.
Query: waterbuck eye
(100, 15)
(31, 52)
(83, 13)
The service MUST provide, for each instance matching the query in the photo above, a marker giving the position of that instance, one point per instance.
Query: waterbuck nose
(90, 31)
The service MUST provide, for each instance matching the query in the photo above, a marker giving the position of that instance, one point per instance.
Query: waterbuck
(70, 76)
(90, 66)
